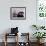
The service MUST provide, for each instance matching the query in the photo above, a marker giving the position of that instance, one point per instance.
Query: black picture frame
(17, 13)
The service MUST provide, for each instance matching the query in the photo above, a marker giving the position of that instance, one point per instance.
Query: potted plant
(39, 35)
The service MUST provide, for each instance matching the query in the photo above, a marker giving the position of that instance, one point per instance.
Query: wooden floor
(13, 44)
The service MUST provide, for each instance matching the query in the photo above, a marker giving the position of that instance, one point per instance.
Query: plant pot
(40, 41)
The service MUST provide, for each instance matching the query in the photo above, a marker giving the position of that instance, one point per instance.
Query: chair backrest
(14, 30)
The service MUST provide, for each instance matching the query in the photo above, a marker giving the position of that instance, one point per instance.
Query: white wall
(24, 25)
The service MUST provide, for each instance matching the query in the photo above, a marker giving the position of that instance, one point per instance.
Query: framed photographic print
(18, 13)
(41, 8)
(41, 12)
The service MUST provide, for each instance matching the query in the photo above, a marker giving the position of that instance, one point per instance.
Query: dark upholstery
(14, 30)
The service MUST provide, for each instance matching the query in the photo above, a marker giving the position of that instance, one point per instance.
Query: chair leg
(5, 40)
(5, 44)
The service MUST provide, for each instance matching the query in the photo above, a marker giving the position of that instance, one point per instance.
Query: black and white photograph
(18, 13)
